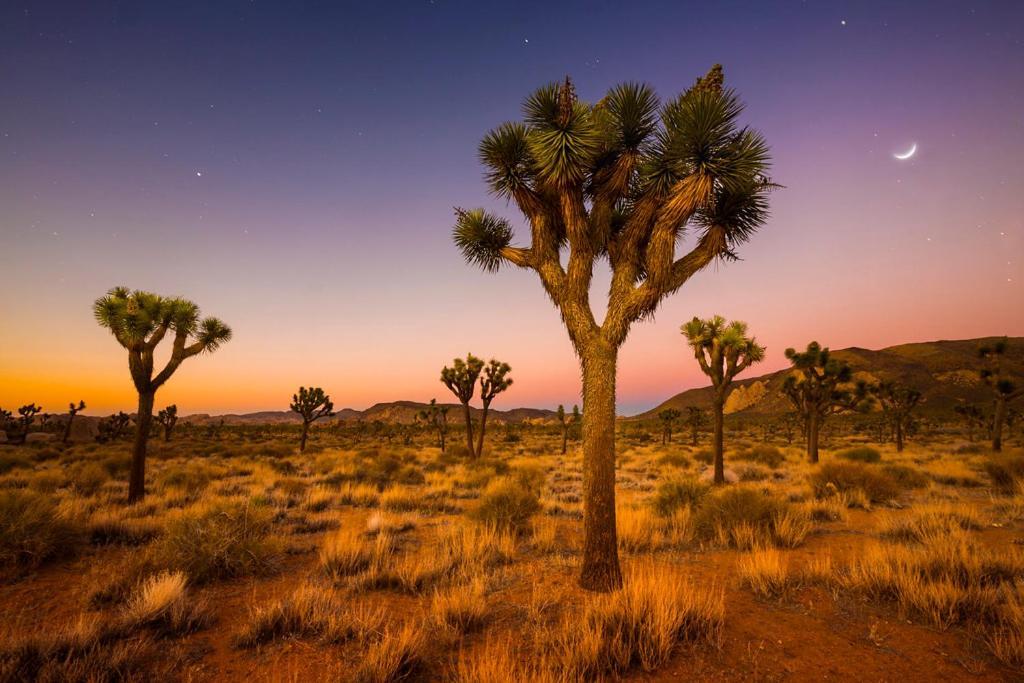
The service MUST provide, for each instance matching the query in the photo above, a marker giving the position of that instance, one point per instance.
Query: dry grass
(929, 521)
(162, 603)
(766, 572)
(397, 656)
(310, 612)
(462, 608)
(347, 552)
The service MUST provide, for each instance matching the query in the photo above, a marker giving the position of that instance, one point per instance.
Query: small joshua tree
(72, 411)
(113, 427)
(668, 419)
(436, 416)
(311, 404)
(816, 389)
(695, 418)
(897, 403)
(27, 415)
(494, 381)
(1004, 389)
(168, 417)
(563, 422)
(723, 351)
(461, 381)
(5, 419)
(140, 321)
(973, 418)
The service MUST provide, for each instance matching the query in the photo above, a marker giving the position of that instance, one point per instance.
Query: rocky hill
(398, 412)
(946, 372)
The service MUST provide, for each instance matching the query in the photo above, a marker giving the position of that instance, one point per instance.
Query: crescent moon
(906, 155)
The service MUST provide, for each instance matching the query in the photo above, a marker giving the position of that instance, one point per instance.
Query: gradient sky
(292, 166)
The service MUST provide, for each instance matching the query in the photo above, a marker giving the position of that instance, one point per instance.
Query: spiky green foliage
(1004, 388)
(72, 411)
(461, 380)
(898, 403)
(311, 404)
(139, 321)
(819, 387)
(168, 417)
(631, 181)
(494, 381)
(668, 419)
(436, 416)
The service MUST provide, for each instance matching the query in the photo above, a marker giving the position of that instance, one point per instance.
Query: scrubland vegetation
(365, 561)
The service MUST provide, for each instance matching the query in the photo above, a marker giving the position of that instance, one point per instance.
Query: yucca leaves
(481, 236)
(505, 153)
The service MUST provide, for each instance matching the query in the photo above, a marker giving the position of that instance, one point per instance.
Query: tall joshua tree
(168, 417)
(140, 321)
(461, 381)
(696, 419)
(627, 180)
(817, 390)
(26, 416)
(437, 417)
(311, 404)
(668, 419)
(494, 381)
(72, 411)
(897, 403)
(1004, 390)
(723, 351)
(563, 422)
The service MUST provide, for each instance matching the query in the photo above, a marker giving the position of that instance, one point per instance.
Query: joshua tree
(668, 418)
(897, 402)
(312, 404)
(973, 417)
(113, 427)
(461, 381)
(621, 180)
(696, 419)
(72, 411)
(140, 321)
(723, 351)
(563, 422)
(27, 415)
(816, 390)
(168, 417)
(437, 417)
(5, 419)
(494, 381)
(1004, 390)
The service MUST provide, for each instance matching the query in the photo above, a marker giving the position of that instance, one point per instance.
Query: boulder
(40, 437)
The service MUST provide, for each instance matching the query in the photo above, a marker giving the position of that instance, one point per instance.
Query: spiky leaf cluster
(494, 380)
(462, 376)
(819, 383)
(722, 349)
(312, 404)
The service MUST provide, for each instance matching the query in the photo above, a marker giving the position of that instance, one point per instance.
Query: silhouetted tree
(817, 390)
(668, 419)
(436, 416)
(723, 351)
(140, 321)
(695, 418)
(168, 417)
(311, 404)
(26, 416)
(461, 381)
(494, 381)
(72, 411)
(1003, 388)
(111, 428)
(621, 180)
(973, 418)
(897, 402)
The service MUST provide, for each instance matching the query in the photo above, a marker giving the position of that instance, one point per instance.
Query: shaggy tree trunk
(305, 435)
(719, 408)
(137, 479)
(693, 435)
(600, 570)
(67, 428)
(899, 435)
(469, 430)
(480, 436)
(998, 418)
(565, 438)
(813, 425)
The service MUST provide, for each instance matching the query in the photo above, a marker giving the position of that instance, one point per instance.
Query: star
(199, 174)
(843, 22)
(526, 41)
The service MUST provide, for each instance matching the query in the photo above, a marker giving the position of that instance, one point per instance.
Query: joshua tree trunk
(600, 569)
(813, 425)
(565, 438)
(998, 419)
(719, 408)
(899, 435)
(305, 435)
(137, 480)
(469, 430)
(67, 428)
(483, 427)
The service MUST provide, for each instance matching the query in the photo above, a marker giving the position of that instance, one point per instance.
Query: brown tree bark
(719, 408)
(469, 430)
(483, 428)
(600, 570)
(305, 435)
(137, 478)
(998, 419)
(813, 427)
(899, 434)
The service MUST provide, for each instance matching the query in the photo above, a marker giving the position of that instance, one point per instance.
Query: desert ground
(368, 560)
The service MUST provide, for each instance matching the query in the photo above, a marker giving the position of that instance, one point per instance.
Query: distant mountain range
(946, 372)
(397, 412)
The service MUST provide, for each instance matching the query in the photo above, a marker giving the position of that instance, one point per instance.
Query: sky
(292, 168)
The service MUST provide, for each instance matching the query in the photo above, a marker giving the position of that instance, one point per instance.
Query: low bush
(33, 530)
(860, 454)
(506, 504)
(678, 492)
(770, 456)
(1005, 471)
(842, 477)
(906, 476)
(744, 517)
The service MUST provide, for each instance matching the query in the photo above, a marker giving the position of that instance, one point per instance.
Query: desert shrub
(219, 540)
(47, 481)
(531, 476)
(409, 475)
(922, 524)
(843, 477)
(162, 603)
(347, 552)
(769, 456)
(506, 504)
(397, 656)
(674, 459)
(704, 456)
(191, 478)
(969, 449)
(11, 459)
(764, 571)
(462, 608)
(752, 472)
(309, 612)
(33, 530)
(860, 454)
(117, 464)
(677, 493)
(107, 527)
(739, 516)
(87, 477)
(1005, 471)
(906, 476)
